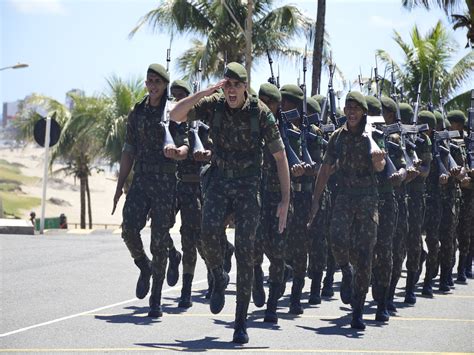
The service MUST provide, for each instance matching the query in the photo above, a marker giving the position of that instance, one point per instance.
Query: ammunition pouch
(162, 168)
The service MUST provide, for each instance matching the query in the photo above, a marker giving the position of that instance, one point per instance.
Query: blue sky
(79, 43)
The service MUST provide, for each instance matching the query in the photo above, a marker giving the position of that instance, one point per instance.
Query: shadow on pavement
(137, 317)
(207, 343)
(340, 326)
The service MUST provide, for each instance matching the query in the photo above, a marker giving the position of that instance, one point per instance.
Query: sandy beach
(63, 194)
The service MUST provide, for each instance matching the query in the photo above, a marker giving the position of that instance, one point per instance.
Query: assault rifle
(272, 79)
(470, 134)
(197, 126)
(165, 118)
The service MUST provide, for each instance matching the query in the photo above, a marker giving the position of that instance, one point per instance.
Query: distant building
(9, 112)
(69, 101)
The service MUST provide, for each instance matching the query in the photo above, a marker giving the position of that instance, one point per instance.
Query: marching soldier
(154, 183)
(239, 124)
(354, 221)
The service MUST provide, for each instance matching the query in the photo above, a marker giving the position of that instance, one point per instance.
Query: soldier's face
(389, 117)
(354, 114)
(234, 92)
(178, 93)
(287, 105)
(272, 105)
(155, 85)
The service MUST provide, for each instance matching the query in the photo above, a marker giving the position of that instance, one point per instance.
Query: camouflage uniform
(353, 227)
(234, 177)
(153, 185)
(388, 214)
(450, 199)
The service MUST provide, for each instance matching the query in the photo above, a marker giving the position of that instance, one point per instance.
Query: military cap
(406, 113)
(457, 116)
(374, 105)
(313, 105)
(438, 116)
(427, 117)
(252, 92)
(160, 70)
(358, 98)
(319, 98)
(181, 84)
(292, 92)
(388, 104)
(236, 71)
(271, 91)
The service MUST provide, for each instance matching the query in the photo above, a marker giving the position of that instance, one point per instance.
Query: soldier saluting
(240, 125)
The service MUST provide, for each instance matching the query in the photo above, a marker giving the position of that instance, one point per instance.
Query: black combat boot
(443, 280)
(423, 256)
(410, 297)
(328, 290)
(221, 280)
(258, 292)
(172, 275)
(230, 249)
(315, 295)
(462, 279)
(357, 311)
(155, 299)
(346, 284)
(288, 275)
(468, 266)
(382, 314)
(210, 283)
(185, 301)
(143, 283)
(295, 298)
(391, 296)
(240, 324)
(427, 283)
(272, 303)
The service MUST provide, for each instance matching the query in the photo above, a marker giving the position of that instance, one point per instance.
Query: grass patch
(12, 174)
(14, 203)
(9, 186)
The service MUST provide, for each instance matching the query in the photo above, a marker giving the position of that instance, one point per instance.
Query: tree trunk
(248, 41)
(318, 48)
(89, 208)
(82, 180)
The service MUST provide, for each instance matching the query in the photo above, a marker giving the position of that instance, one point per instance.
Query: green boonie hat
(271, 91)
(457, 116)
(388, 104)
(236, 71)
(292, 92)
(438, 116)
(406, 113)
(160, 70)
(312, 106)
(374, 105)
(319, 98)
(181, 84)
(427, 117)
(358, 98)
(252, 92)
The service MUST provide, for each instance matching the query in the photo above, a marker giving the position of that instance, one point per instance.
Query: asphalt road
(67, 292)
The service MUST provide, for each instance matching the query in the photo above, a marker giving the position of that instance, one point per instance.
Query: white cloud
(382, 22)
(53, 7)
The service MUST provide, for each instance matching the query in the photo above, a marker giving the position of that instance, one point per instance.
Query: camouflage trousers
(243, 195)
(465, 231)
(154, 193)
(189, 204)
(319, 236)
(383, 256)
(268, 240)
(298, 238)
(353, 233)
(447, 229)
(401, 230)
(413, 240)
(431, 226)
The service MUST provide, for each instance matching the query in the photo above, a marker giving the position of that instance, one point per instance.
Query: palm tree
(318, 47)
(427, 59)
(219, 27)
(79, 145)
(449, 6)
(122, 96)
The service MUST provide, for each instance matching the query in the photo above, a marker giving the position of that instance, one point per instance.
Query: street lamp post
(16, 66)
